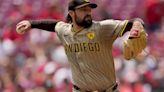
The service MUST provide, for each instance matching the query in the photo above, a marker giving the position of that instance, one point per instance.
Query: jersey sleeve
(114, 28)
(59, 28)
(44, 24)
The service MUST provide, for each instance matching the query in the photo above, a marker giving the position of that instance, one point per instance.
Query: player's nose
(88, 11)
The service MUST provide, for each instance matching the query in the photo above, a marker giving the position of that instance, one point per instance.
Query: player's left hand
(136, 42)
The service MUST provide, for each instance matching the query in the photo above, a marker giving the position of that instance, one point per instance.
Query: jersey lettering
(82, 47)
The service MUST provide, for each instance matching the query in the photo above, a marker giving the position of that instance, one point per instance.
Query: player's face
(83, 16)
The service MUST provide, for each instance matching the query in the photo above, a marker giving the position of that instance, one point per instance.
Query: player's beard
(85, 22)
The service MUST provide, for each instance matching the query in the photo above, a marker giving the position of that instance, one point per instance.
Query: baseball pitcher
(88, 44)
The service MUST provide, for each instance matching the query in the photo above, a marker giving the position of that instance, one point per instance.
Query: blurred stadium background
(35, 61)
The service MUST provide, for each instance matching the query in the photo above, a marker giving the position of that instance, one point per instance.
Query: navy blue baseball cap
(75, 4)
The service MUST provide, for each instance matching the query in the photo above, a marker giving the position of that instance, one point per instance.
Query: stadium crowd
(36, 62)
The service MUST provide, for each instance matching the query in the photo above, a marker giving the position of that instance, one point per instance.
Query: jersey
(89, 52)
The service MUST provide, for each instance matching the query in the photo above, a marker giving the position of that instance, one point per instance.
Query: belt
(77, 88)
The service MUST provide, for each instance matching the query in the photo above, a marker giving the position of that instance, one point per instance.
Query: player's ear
(71, 13)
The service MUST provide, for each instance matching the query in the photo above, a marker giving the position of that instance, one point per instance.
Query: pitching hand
(23, 27)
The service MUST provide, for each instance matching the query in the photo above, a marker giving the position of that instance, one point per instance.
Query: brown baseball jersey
(89, 52)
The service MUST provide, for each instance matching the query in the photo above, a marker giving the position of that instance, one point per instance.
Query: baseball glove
(135, 44)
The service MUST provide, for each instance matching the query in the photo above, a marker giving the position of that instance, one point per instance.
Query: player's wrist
(33, 23)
